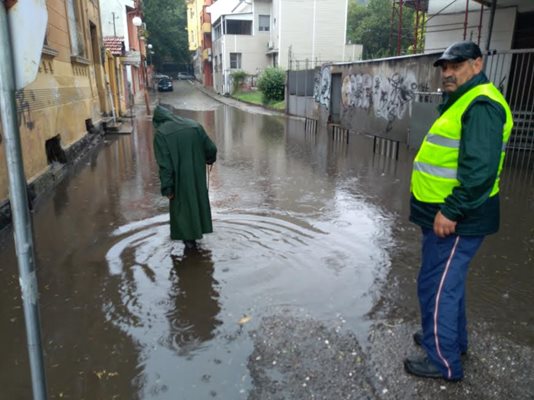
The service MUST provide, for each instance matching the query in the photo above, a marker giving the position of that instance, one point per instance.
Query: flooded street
(306, 288)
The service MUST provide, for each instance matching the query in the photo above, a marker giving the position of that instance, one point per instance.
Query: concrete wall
(67, 92)
(376, 96)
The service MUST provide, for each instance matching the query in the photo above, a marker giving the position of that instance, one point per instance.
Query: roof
(114, 44)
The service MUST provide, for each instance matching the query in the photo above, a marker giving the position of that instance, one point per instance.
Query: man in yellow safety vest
(455, 200)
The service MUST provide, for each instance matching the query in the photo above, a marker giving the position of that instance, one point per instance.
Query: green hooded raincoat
(182, 150)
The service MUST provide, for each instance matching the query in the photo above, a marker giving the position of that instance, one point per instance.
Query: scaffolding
(420, 8)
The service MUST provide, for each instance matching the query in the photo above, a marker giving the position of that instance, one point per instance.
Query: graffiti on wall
(388, 97)
(321, 91)
(23, 109)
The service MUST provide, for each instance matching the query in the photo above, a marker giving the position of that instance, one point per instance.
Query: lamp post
(137, 21)
(149, 52)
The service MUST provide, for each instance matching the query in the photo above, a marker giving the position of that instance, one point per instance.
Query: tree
(166, 23)
(371, 26)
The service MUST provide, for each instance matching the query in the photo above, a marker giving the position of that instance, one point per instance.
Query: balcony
(206, 54)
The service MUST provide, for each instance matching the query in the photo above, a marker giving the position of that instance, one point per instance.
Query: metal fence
(512, 71)
(301, 83)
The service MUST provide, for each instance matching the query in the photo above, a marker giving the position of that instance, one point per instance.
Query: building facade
(252, 36)
(199, 37)
(68, 97)
(123, 75)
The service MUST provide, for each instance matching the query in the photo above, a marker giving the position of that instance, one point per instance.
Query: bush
(272, 83)
(238, 78)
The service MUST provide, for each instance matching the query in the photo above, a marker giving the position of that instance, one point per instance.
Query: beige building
(251, 36)
(68, 97)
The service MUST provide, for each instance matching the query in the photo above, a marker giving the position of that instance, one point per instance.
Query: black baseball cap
(458, 52)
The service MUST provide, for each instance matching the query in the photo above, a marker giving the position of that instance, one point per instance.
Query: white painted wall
(313, 29)
(448, 27)
(435, 6)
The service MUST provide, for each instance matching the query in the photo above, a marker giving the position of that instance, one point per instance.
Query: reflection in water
(193, 292)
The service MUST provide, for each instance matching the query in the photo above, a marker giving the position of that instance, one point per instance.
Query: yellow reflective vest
(435, 167)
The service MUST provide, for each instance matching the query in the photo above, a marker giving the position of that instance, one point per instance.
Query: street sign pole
(19, 207)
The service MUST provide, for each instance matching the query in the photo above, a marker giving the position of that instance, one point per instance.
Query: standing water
(303, 226)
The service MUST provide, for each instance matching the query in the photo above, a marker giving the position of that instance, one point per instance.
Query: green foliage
(371, 26)
(272, 84)
(238, 78)
(166, 22)
(256, 97)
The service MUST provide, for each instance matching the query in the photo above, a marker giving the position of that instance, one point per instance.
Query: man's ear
(478, 64)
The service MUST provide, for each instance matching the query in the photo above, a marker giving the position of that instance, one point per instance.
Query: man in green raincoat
(182, 149)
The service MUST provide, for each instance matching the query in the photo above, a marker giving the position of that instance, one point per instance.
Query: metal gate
(512, 71)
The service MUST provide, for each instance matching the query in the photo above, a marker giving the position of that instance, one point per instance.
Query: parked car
(165, 85)
(159, 76)
(185, 76)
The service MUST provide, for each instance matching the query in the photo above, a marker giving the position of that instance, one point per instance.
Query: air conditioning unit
(270, 45)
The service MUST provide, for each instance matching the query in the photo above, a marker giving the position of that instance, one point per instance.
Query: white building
(447, 22)
(251, 36)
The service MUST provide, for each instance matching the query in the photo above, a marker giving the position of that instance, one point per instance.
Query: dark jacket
(478, 162)
(182, 149)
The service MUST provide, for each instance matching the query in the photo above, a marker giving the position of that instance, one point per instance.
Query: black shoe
(418, 340)
(424, 368)
(190, 244)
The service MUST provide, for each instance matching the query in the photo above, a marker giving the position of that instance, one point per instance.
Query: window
(235, 60)
(264, 23)
(215, 65)
(77, 46)
(238, 27)
(217, 32)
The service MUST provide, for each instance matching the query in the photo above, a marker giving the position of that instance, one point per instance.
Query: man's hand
(170, 196)
(443, 226)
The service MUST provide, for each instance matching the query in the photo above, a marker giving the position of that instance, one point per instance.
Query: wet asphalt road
(305, 290)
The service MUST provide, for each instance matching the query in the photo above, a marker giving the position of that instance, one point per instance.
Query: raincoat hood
(163, 115)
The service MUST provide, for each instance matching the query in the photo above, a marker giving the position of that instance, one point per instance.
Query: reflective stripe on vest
(435, 167)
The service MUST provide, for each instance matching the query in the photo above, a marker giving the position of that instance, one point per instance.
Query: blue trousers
(441, 292)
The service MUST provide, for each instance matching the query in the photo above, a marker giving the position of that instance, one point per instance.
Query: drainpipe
(223, 52)
(22, 225)
(490, 28)
(313, 28)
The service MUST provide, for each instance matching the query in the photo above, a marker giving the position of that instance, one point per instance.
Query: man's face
(455, 74)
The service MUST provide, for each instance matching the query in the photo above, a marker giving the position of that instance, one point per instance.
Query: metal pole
(480, 23)
(143, 72)
(490, 27)
(399, 33)
(22, 228)
(391, 26)
(416, 35)
(466, 17)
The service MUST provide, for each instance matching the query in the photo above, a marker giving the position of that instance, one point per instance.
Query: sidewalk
(230, 101)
